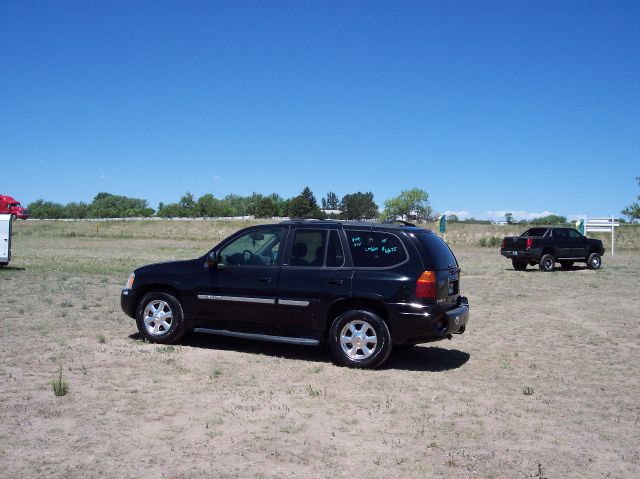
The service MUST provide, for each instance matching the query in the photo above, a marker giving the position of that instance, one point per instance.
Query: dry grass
(543, 384)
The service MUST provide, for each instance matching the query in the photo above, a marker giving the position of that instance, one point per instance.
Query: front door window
(255, 248)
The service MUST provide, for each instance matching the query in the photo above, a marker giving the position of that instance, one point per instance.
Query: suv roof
(409, 227)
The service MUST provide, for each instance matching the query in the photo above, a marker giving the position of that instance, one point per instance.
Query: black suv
(362, 288)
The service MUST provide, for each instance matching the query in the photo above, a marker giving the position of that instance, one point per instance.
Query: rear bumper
(527, 255)
(415, 323)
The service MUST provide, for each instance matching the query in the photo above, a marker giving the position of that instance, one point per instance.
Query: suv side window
(373, 249)
(255, 248)
(560, 233)
(335, 253)
(308, 248)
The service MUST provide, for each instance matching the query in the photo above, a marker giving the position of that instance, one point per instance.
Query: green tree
(299, 207)
(76, 210)
(308, 194)
(358, 206)
(452, 218)
(207, 205)
(265, 208)
(633, 210)
(330, 202)
(508, 217)
(412, 204)
(552, 220)
(46, 209)
(188, 204)
(106, 205)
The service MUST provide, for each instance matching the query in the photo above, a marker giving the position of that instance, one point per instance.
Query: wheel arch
(339, 307)
(157, 287)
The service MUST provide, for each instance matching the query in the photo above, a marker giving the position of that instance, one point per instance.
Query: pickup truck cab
(545, 246)
(9, 206)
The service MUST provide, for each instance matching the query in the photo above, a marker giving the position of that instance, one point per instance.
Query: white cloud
(103, 177)
(462, 215)
(217, 178)
(517, 215)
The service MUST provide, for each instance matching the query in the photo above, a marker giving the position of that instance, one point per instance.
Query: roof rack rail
(302, 220)
(401, 222)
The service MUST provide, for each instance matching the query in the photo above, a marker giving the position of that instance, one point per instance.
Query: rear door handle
(336, 281)
(265, 279)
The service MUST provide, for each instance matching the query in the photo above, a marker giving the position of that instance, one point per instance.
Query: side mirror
(212, 259)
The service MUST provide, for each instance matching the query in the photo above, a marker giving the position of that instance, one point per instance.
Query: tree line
(412, 205)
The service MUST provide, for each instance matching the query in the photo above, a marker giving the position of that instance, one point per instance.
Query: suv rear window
(373, 249)
(438, 256)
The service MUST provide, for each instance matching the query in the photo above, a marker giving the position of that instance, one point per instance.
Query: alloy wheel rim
(158, 317)
(358, 339)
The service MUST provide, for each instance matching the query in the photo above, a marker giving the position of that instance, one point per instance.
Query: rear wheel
(547, 263)
(566, 265)
(160, 318)
(519, 265)
(594, 261)
(360, 338)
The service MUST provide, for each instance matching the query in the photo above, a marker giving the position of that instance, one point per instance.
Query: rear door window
(373, 249)
(438, 254)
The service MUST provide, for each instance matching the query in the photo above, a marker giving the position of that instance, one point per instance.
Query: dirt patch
(544, 383)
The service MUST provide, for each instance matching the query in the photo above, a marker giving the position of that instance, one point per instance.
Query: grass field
(544, 383)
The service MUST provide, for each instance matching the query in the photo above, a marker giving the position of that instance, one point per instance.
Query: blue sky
(490, 106)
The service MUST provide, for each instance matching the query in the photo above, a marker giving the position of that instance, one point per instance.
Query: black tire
(2, 265)
(547, 263)
(359, 319)
(155, 327)
(594, 261)
(566, 265)
(519, 265)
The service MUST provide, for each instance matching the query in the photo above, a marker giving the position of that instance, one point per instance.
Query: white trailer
(5, 239)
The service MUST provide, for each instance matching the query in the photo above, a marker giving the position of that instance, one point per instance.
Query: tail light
(529, 243)
(426, 285)
(502, 244)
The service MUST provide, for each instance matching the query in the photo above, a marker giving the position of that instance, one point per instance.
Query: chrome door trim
(237, 299)
(293, 302)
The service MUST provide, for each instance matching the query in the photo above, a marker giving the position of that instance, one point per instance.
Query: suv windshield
(438, 255)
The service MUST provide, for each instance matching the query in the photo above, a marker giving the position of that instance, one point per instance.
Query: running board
(259, 337)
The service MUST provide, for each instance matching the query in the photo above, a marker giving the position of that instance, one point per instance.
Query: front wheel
(547, 263)
(594, 261)
(360, 338)
(160, 318)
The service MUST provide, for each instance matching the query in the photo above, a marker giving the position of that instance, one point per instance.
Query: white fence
(602, 225)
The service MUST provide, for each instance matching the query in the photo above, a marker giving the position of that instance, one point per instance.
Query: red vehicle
(10, 206)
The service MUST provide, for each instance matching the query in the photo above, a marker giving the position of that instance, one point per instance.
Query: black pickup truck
(546, 245)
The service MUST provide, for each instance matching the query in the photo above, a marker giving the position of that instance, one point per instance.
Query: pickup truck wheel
(360, 339)
(519, 265)
(566, 265)
(547, 263)
(594, 261)
(160, 318)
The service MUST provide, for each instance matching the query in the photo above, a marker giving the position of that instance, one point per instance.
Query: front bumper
(128, 302)
(415, 323)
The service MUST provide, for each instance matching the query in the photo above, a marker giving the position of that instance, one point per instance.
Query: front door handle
(336, 281)
(265, 279)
